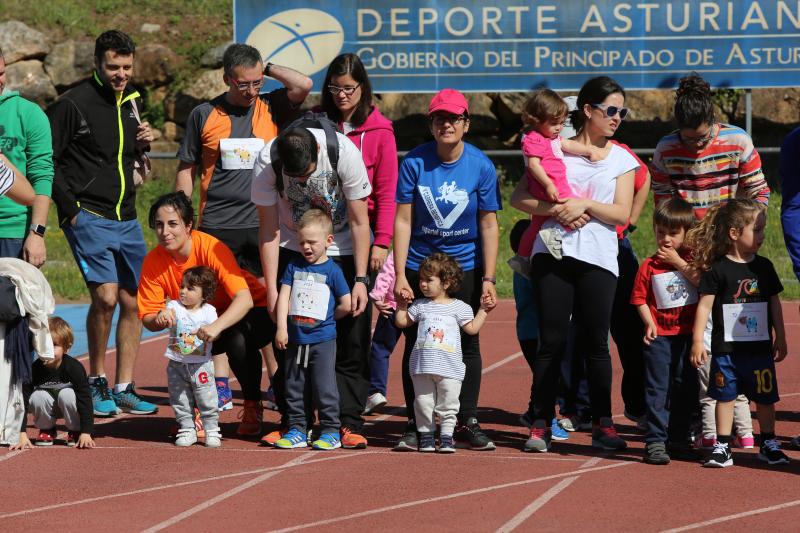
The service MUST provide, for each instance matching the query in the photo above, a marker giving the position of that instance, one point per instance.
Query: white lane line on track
(535, 505)
(415, 503)
(202, 506)
(542, 500)
(736, 516)
(182, 484)
(500, 363)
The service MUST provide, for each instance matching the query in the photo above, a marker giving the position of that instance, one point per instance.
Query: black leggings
(242, 342)
(470, 292)
(562, 288)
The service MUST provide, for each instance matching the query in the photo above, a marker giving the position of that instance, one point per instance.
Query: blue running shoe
(294, 438)
(102, 402)
(557, 432)
(132, 403)
(328, 441)
(224, 397)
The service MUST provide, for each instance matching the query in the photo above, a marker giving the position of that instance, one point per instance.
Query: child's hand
(669, 255)
(779, 349)
(595, 154)
(85, 441)
(488, 302)
(23, 444)
(165, 318)
(650, 333)
(209, 332)
(403, 291)
(281, 338)
(699, 354)
(551, 192)
(384, 308)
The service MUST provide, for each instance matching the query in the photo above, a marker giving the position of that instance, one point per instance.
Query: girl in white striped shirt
(436, 364)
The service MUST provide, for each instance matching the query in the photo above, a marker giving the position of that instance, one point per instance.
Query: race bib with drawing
(309, 300)
(437, 332)
(746, 322)
(672, 289)
(238, 154)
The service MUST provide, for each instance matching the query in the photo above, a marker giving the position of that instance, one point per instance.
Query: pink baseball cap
(449, 100)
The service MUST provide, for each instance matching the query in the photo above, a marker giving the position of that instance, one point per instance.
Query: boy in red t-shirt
(666, 298)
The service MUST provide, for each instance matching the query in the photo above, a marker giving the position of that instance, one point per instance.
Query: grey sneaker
(551, 237)
(539, 441)
(521, 266)
(655, 453)
(408, 441)
(605, 436)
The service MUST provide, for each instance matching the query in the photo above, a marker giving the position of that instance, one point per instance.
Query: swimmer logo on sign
(305, 39)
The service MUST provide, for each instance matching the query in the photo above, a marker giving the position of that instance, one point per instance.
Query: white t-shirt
(6, 178)
(320, 190)
(437, 350)
(183, 345)
(596, 242)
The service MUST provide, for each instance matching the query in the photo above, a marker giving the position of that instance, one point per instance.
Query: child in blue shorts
(313, 295)
(740, 290)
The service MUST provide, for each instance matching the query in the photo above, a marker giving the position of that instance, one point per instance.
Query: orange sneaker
(353, 441)
(252, 414)
(271, 438)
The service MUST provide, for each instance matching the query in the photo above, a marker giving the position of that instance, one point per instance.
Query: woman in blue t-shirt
(447, 199)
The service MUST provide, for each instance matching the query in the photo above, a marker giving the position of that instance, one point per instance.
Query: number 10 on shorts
(763, 381)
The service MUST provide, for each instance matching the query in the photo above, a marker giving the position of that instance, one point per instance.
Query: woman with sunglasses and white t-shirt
(583, 283)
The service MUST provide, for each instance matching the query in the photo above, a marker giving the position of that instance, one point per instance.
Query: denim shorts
(107, 251)
(748, 374)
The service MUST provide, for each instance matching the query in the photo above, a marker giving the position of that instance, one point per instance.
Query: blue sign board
(515, 45)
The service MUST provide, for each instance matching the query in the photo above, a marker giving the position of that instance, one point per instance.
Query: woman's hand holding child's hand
(165, 318)
(384, 308)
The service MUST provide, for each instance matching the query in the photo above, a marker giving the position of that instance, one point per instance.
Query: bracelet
(490, 279)
(266, 69)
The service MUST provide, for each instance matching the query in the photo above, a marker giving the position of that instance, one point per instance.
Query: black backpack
(310, 119)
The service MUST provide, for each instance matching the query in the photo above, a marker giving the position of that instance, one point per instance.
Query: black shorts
(244, 245)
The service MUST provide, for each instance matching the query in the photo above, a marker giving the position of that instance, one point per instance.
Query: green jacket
(26, 141)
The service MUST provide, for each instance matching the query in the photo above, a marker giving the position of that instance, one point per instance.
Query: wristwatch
(361, 279)
(38, 229)
(490, 279)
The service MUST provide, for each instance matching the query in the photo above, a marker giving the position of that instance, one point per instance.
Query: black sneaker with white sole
(770, 452)
(470, 435)
(721, 457)
(409, 439)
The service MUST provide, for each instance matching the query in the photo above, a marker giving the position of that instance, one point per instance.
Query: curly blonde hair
(445, 268)
(710, 239)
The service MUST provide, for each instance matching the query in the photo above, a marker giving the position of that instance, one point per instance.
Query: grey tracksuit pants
(190, 385)
(317, 361)
(47, 410)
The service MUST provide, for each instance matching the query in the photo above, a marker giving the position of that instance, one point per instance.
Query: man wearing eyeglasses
(222, 139)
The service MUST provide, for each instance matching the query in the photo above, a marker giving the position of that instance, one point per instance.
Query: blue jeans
(670, 388)
(11, 247)
(384, 339)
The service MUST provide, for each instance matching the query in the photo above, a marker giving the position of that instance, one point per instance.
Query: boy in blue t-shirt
(306, 314)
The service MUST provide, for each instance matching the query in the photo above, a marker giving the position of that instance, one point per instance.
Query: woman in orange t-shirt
(243, 326)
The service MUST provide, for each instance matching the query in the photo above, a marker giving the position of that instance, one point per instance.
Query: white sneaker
(521, 266)
(373, 402)
(213, 438)
(551, 237)
(186, 437)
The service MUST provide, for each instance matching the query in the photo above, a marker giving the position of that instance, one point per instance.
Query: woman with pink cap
(447, 199)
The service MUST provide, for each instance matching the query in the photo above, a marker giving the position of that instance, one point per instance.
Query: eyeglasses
(439, 120)
(244, 85)
(698, 141)
(348, 91)
(301, 175)
(612, 110)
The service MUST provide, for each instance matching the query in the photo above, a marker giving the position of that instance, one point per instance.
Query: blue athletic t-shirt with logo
(446, 199)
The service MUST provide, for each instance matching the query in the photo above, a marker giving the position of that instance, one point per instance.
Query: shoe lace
(771, 445)
(476, 430)
(538, 433)
(720, 447)
(102, 390)
(610, 431)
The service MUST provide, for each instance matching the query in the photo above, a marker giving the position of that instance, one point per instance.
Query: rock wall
(41, 70)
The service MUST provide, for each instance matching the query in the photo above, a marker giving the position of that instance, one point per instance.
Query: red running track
(137, 480)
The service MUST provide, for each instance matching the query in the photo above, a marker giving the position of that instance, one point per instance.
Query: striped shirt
(6, 178)
(438, 347)
(729, 167)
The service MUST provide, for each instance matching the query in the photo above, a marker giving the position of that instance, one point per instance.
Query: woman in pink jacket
(347, 100)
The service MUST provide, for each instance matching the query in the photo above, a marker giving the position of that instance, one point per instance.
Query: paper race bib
(238, 154)
(745, 322)
(672, 289)
(308, 303)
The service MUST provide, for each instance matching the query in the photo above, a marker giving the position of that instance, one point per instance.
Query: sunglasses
(348, 91)
(612, 110)
(244, 85)
(699, 141)
(439, 120)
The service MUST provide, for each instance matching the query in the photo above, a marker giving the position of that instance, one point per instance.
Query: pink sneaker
(708, 441)
(746, 441)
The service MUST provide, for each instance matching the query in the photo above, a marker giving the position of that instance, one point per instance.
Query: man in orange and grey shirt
(222, 139)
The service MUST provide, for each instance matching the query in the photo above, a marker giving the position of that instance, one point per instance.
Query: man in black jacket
(96, 137)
